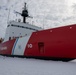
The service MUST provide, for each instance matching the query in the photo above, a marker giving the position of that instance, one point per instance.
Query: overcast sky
(45, 13)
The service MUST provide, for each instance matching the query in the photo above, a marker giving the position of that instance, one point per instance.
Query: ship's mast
(24, 13)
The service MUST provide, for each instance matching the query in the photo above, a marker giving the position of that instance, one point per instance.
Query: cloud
(50, 13)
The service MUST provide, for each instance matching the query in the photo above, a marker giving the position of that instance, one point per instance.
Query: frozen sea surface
(24, 66)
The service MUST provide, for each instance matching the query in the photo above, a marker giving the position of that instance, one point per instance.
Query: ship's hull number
(30, 45)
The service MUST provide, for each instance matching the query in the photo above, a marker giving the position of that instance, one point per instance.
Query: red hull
(57, 43)
(6, 48)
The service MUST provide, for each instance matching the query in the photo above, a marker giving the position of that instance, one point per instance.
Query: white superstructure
(19, 29)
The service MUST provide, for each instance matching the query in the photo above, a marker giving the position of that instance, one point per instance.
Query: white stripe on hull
(20, 45)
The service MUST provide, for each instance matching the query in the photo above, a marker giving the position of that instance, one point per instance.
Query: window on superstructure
(12, 32)
(9, 38)
(24, 27)
(8, 25)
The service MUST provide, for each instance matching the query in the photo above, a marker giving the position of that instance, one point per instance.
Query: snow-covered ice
(24, 66)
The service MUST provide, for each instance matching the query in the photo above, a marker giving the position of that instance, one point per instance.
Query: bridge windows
(24, 27)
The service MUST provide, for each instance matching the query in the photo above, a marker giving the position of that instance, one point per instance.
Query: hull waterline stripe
(14, 46)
